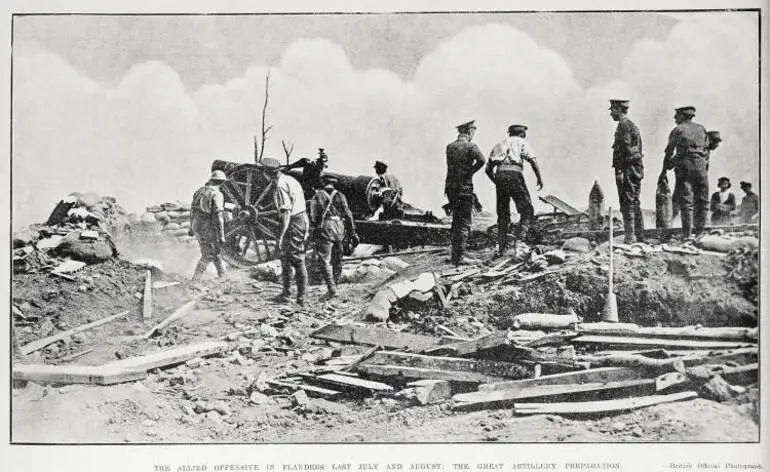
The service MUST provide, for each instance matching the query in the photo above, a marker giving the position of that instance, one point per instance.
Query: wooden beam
(657, 366)
(170, 357)
(310, 389)
(606, 406)
(489, 368)
(686, 332)
(160, 284)
(147, 297)
(348, 382)
(376, 336)
(181, 312)
(603, 374)
(395, 254)
(551, 393)
(76, 374)
(41, 343)
(490, 341)
(421, 373)
(638, 343)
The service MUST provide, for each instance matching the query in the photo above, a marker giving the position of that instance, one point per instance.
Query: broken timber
(41, 343)
(507, 398)
(687, 332)
(182, 311)
(76, 374)
(639, 343)
(309, 389)
(604, 374)
(451, 364)
(374, 336)
(490, 341)
(348, 382)
(422, 373)
(147, 297)
(594, 407)
(170, 357)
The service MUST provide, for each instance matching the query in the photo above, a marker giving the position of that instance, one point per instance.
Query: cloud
(146, 139)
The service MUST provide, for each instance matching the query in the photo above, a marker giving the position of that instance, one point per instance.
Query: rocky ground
(212, 400)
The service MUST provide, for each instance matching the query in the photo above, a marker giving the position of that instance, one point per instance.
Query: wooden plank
(432, 374)
(376, 336)
(395, 254)
(603, 374)
(658, 366)
(181, 312)
(440, 291)
(594, 407)
(552, 339)
(75, 374)
(348, 381)
(490, 341)
(160, 284)
(740, 375)
(686, 332)
(310, 389)
(507, 398)
(170, 357)
(637, 343)
(490, 368)
(41, 343)
(147, 297)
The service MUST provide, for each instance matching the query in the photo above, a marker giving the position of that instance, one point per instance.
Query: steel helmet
(218, 176)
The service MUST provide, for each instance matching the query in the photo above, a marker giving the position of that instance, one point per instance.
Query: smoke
(147, 140)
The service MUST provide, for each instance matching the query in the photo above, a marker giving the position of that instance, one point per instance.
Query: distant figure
(290, 202)
(714, 138)
(722, 204)
(596, 206)
(749, 205)
(390, 191)
(686, 152)
(207, 224)
(331, 219)
(505, 169)
(629, 170)
(463, 160)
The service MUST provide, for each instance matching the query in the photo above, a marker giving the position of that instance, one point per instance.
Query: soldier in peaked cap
(464, 159)
(686, 153)
(207, 224)
(391, 189)
(505, 168)
(629, 170)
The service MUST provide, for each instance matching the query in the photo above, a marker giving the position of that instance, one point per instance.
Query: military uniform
(205, 219)
(506, 169)
(289, 197)
(629, 172)
(749, 205)
(391, 190)
(464, 159)
(330, 217)
(686, 153)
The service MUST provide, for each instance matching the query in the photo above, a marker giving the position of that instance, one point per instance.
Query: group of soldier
(687, 153)
(326, 222)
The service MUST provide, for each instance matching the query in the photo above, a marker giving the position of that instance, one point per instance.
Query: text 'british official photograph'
(385, 227)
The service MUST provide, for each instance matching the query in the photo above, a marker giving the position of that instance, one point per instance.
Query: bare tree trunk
(265, 129)
(287, 150)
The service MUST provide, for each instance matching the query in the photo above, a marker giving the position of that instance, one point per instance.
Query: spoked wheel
(252, 221)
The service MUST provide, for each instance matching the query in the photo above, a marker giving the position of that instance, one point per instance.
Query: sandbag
(147, 218)
(715, 242)
(87, 251)
(171, 227)
(664, 210)
(576, 245)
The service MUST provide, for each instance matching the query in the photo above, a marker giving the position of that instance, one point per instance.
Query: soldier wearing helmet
(208, 224)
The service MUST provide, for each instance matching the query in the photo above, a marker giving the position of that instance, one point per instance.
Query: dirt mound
(661, 288)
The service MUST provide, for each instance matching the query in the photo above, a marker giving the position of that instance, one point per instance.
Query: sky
(138, 107)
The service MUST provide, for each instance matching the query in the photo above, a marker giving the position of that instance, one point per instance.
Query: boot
(628, 225)
(219, 266)
(301, 282)
(286, 279)
(502, 240)
(639, 225)
(200, 269)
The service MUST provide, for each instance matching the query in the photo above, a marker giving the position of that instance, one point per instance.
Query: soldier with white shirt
(505, 168)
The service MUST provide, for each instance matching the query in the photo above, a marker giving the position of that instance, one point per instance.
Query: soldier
(290, 202)
(714, 138)
(686, 153)
(749, 205)
(722, 204)
(330, 217)
(505, 169)
(391, 190)
(463, 160)
(207, 224)
(388, 180)
(629, 170)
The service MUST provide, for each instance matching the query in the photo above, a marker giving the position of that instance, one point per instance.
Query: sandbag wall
(171, 220)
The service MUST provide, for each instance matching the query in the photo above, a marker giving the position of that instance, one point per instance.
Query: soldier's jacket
(463, 159)
(392, 182)
(337, 218)
(687, 140)
(627, 146)
(207, 202)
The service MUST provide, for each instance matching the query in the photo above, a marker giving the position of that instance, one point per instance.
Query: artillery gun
(252, 221)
